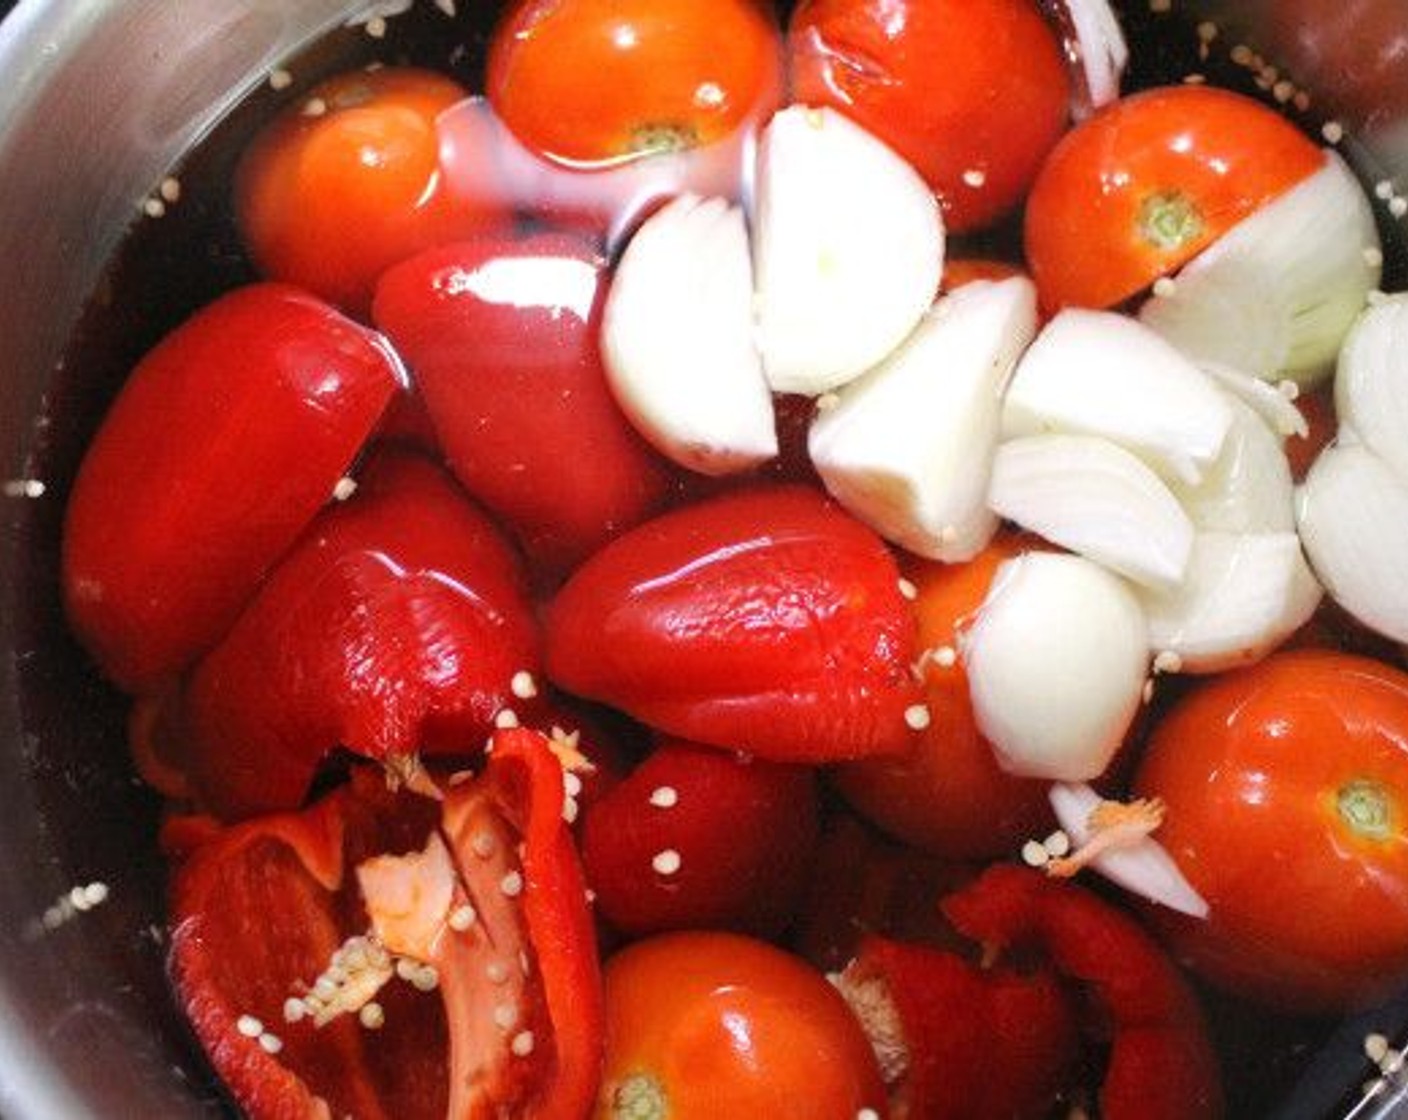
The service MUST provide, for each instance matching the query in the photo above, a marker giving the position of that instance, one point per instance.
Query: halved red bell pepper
(261, 909)
(960, 1042)
(394, 628)
(1161, 1063)
(766, 620)
(224, 442)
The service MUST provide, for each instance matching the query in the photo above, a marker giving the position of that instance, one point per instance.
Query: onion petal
(1097, 45)
(1371, 385)
(1249, 487)
(1278, 292)
(1056, 661)
(1143, 867)
(907, 448)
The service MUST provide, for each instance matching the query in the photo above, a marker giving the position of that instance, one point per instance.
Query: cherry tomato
(1142, 187)
(1318, 408)
(946, 793)
(588, 81)
(223, 444)
(349, 180)
(701, 838)
(703, 1025)
(972, 92)
(1287, 793)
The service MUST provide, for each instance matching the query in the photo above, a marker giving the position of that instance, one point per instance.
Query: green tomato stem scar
(1365, 806)
(1170, 220)
(639, 1097)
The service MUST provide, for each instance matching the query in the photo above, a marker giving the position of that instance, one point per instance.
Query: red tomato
(766, 620)
(947, 793)
(972, 92)
(394, 629)
(587, 81)
(348, 181)
(700, 838)
(501, 335)
(1142, 187)
(222, 445)
(1287, 794)
(965, 270)
(1318, 408)
(262, 910)
(706, 1025)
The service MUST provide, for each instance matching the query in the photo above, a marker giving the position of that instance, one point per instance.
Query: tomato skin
(587, 81)
(393, 628)
(1138, 190)
(744, 830)
(724, 1025)
(766, 620)
(501, 334)
(220, 448)
(1308, 911)
(330, 200)
(946, 793)
(955, 86)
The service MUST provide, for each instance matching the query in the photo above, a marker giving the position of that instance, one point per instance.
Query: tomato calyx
(659, 138)
(1366, 808)
(639, 1097)
(1171, 220)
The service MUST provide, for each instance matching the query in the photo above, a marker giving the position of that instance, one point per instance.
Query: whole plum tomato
(973, 93)
(766, 620)
(697, 837)
(592, 81)
(946, 793)
(223, 444)
(349, 180)
(1286, 787)
(1138, 190)
(502, 337)
(703, 1025)
(394, 628)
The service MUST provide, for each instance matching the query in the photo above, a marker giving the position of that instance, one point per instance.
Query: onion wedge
(1141, 865)
(1249, 488)
(848, 249)
(1245, 594)
(1096, 43)
(1276, 408)
(1095, 498)
(1352, 510)
(1371, 386)
(1056, 661)
(1104, 374)
(676, 339)
(1277, 293)
(908, 447)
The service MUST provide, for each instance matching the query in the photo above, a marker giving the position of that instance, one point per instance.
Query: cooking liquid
(171, 265)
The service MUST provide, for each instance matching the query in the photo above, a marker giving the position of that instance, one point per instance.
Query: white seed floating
(917, 717)
(1248, 488)
(314, 107)
(505, 1016)
(372, 1016)
(908, 449)
(154, 208)
(1099, 373)
(664, 797)
(521, 1045)
(848, 249)
(505, 719)
(908, 590)
(1142, 866)
(512, 884)
(1034, 854)
(497, 972)
(677, 339)
(294, 1010)
(280, 79)
(1371, 385)
(249, 1026)
(1244, 595)
(1352, 510)
(1056, 662)
(1093, 497)
(667, 862)
(1277, 293)
(270, 1043)
(461, 918)
(344, 488)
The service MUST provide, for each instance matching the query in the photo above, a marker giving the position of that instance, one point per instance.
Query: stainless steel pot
(100, 99)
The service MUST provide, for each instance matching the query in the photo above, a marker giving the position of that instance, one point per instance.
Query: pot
(101, 100)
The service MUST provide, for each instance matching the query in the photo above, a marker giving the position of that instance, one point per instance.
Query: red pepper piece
(1161, 1062)
(502, 337)
(218, 451)
(259, 908)
(394, 628)
(971, 1043)
(766, 620)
